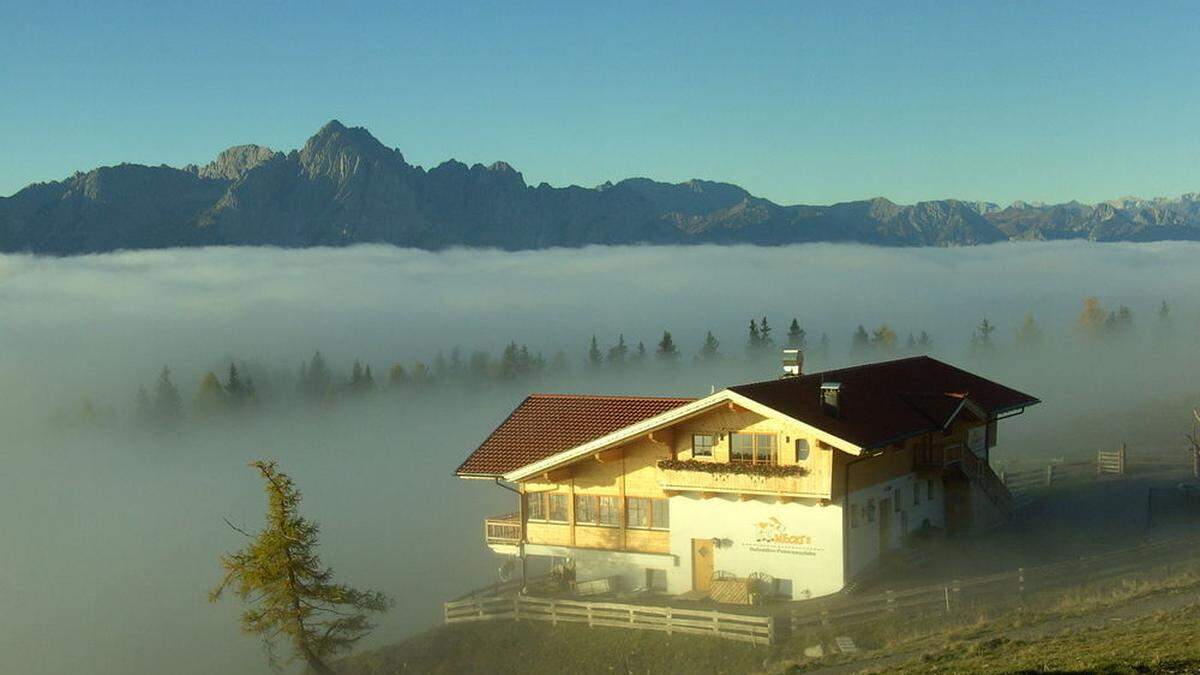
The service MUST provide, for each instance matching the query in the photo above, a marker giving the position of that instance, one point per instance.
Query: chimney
(793, 361)
(831, 398)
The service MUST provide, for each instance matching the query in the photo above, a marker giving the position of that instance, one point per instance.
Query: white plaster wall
(814, 568)
(865, 537)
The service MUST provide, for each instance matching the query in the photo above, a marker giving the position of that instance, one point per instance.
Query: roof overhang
(674, 416)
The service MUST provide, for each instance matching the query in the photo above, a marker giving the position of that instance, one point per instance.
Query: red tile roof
(881, 403)
(545, 424)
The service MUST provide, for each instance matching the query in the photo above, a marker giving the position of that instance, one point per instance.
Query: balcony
(746, 479)
(503, 533)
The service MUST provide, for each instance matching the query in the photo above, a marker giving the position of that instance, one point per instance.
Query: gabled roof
(881, 403)
(546, 424)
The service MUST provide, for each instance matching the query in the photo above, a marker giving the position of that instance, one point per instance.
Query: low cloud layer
(111, 540)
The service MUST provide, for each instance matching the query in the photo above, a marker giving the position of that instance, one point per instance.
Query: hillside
(345, 187)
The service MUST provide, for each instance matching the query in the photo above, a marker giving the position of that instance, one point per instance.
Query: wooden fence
(757, 629)
(1005, 589)
(1024, 483)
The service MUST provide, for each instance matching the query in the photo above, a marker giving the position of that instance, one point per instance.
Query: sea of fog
(111, 534)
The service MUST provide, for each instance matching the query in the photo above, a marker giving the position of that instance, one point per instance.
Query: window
(896, 501)
(929, 489)
(535, 506)
(754, 448)
(916, 494)
(702, 445)
(610, 511)
(558, 508)
(801, 449)
(637, 512)
(870, 510)
(660, 514)
(656, 580)
(585, 509)
(646, 513)
(783, 588)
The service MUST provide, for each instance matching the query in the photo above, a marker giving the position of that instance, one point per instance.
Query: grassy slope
(1163, 642)
(535, 647)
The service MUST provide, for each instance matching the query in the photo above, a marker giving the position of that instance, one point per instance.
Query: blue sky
(800, 102)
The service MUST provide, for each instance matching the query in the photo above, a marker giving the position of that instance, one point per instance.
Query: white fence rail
(744, 627)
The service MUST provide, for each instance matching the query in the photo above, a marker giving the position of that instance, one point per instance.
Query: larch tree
(292, 596)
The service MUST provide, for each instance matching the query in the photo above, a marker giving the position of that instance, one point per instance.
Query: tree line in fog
(246, 387)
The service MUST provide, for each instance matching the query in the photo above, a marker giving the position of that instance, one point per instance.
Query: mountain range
(345, 187)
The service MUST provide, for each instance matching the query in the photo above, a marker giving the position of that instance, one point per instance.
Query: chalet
(808, 480)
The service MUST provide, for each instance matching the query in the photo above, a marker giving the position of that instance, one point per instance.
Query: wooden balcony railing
(504, 529)
(816, 484)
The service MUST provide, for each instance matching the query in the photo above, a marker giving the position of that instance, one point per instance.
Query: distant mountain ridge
(345, 187)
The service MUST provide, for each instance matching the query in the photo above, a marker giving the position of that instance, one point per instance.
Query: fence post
(479, 607)
(670, 623)
(554, 612)
(516, 608)
(771, 630)
(891, 601)
(957, 588)
(1049, 474)
(1020, 589)
(589, 615)
(716, 623)
(1121, 460)
(946, 591)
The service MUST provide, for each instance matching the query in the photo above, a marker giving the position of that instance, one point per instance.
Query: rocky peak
(233, 163)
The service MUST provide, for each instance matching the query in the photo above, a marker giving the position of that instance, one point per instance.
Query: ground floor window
(535, 506)
(597, 510)
(558, 507)
(656, 580)
(646, 513)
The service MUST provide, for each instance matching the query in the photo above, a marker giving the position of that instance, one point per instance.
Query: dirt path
(1133, 609)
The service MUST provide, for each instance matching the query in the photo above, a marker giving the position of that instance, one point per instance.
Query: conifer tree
(236, 391)
(924, 343)
(368, 381)
(797, 337)
(981, 339)
(753, 339)
(822, 352)
(860, 342)
(666, 348)
(440, 366)
(456, 363)
(1164, 312)
(710, 350)
(639, 354)
(594, 357)
(618, 353)
(168, 404)
(764, 331)
(293, 596)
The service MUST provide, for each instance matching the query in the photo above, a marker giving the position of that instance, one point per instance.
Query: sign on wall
(772, 536)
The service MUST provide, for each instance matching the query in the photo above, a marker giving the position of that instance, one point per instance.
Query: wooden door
(885, 524)
(702, 564)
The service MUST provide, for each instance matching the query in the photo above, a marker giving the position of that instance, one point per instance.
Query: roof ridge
(624, 397)
(860, 366)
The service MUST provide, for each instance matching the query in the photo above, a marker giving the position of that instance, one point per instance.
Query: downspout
(521, 543)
